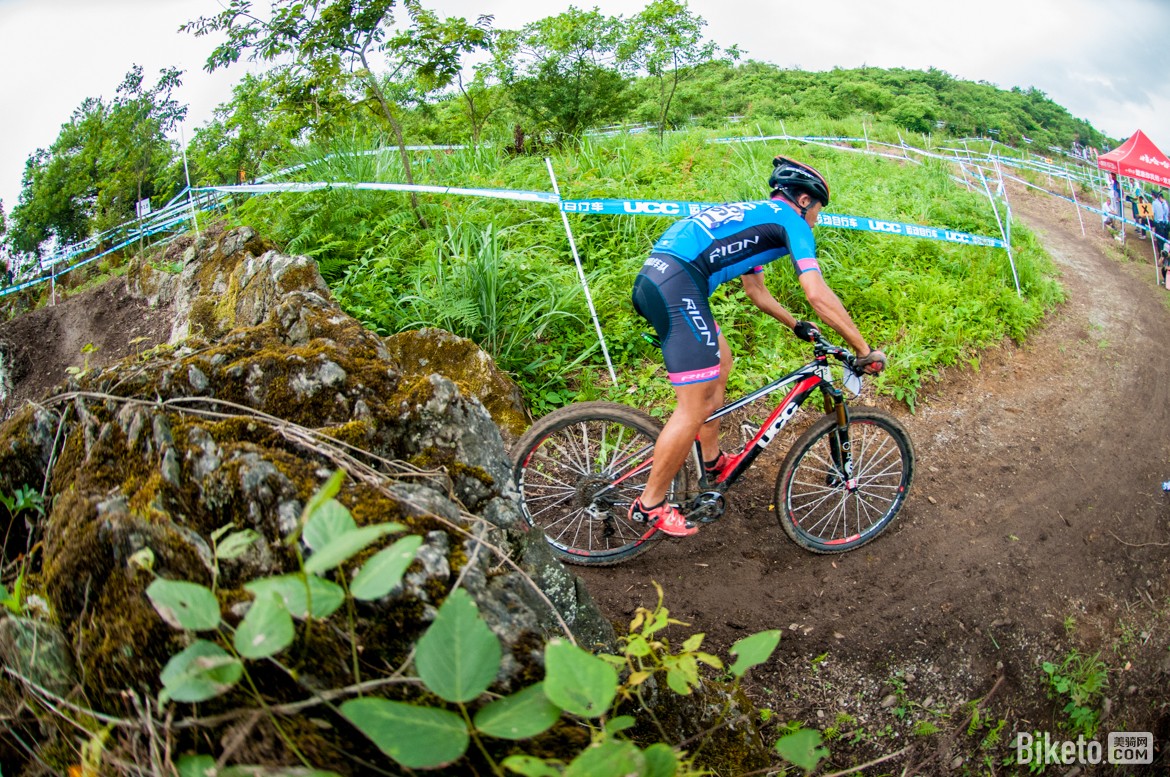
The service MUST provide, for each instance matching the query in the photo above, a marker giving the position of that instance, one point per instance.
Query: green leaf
(677, 680)
(529, 766)
(201, 672)
(236, 543)
(577, 681)
(297, 589)
(184, 605)
(611, 758)
(384, 570)
(329, 489)
(638, 646)
(459, 656)
(693, 643)
(519, 716)
(661, 760)
(753, 650)
(266, 630)
(416, 737)
(341, 548)
(196, 766)
(802, 748)
(620, 723)
(328, 522)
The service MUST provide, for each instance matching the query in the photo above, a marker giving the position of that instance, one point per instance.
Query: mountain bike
(841, 484)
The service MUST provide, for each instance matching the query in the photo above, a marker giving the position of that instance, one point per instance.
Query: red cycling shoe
(664, 517)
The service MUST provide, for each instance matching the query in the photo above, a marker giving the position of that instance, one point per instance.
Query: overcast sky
(1104, 60)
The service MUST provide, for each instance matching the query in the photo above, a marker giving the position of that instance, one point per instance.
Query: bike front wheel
(825, 509)
(579, 469)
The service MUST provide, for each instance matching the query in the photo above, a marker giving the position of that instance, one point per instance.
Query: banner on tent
(678, 208)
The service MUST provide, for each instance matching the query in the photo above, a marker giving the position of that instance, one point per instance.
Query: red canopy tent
(1138, 158)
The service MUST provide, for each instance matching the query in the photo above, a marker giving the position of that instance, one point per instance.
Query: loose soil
(43, 344)
(1035, 527)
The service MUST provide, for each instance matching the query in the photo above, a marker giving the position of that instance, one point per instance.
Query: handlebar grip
(806, 331)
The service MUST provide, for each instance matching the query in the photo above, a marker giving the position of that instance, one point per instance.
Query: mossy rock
(238, 427)
(428, 351)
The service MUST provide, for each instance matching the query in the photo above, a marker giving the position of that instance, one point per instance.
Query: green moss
(303, 276)
(203, 319)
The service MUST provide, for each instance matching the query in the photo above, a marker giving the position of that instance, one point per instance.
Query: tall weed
(501, 273)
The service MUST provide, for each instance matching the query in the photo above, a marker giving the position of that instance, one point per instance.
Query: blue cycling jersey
(726, 241)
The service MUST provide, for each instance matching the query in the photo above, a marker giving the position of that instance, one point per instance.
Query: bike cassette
(707, 507)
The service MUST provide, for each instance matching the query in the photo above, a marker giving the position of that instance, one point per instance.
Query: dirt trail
(1036, 524)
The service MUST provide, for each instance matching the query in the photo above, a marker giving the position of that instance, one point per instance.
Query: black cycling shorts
(670, 297)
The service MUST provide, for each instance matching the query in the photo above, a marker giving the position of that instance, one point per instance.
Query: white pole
(1007, 202)
(1007, 244)
(866, 134)
(581, 272)
(1154, 246)
(187, 173)
(1073, 192)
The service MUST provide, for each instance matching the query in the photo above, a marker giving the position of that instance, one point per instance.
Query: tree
(563, 71)
(666, 41)
(328, 33)
(140, 119)
(480, 101)
(245, 132)
(107, 157)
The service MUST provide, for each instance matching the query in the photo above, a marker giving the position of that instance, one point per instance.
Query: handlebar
(807, 331)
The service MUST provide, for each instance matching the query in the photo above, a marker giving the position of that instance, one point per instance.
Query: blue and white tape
(273, 188)
(678, 209)
(177, 211)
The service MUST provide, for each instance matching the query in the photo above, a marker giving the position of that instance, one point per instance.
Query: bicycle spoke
(579, 474)
(826, 511)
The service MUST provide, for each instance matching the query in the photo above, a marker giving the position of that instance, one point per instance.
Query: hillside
(1035, 533)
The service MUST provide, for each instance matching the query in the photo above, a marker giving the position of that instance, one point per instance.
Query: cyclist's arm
(830, 310)
(753, 285)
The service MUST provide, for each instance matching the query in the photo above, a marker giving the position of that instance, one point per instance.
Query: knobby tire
(815, 506)
(579, 469)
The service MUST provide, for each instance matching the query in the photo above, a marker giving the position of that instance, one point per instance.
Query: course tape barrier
(272, 188)
(179, 210)
(679, 208)
(165, 226)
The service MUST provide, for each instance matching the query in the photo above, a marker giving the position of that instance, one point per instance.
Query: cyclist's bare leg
(696, 401)
(709, 433)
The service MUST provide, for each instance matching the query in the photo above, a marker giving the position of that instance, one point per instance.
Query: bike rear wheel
(826, 510)
(579, 469)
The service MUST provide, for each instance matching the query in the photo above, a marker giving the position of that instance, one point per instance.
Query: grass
(929, 304)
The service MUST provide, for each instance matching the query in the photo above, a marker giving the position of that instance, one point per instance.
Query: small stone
(932, 500)
(889, 701)
(197, 379)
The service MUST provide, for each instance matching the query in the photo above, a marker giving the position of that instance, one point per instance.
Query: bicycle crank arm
(707, 507)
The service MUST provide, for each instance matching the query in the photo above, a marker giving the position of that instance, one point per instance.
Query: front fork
(840, 447)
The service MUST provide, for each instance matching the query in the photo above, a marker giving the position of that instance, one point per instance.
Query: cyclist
(671, 292)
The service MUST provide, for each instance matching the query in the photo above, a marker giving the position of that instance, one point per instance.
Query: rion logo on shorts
(702, 330)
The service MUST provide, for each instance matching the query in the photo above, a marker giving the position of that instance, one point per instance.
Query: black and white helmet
(793, 177)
